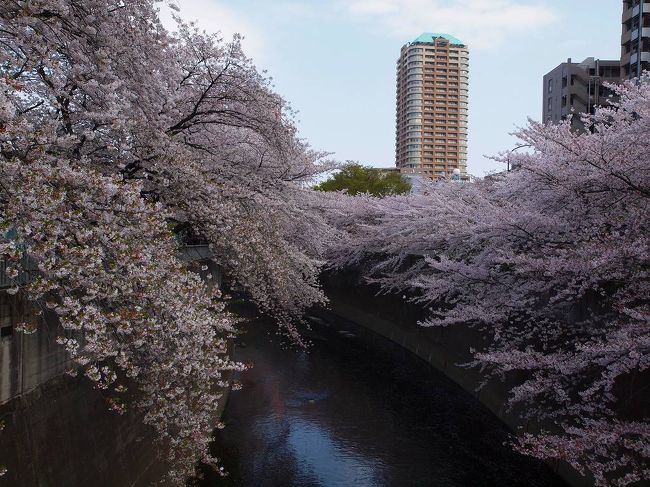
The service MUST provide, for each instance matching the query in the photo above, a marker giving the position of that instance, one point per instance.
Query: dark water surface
(358, 410)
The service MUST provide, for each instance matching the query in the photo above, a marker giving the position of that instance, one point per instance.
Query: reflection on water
(318, 456)
(357, 410)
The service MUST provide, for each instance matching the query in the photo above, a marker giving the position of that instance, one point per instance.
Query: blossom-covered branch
(553, 259)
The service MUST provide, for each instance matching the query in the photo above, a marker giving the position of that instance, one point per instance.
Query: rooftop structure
(576, 88)
(430, 37)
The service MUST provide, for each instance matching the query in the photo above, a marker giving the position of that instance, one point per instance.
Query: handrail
(190, 253)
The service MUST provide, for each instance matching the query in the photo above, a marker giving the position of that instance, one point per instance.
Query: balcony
(627, 14)
(636, 11)
(645, 32)
(626, 37)
(630, 13)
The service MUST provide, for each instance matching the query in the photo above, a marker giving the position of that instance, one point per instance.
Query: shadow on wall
(62, 434)
(58, 429)
(27, 360)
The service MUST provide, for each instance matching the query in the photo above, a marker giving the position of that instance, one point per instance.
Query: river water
(357, 410)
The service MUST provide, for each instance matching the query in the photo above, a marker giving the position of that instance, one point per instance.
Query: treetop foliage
(357, 179)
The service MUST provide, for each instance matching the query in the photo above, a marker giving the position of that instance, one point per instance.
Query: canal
(357, 410)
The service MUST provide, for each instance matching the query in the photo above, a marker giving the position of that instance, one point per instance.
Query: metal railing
(191, 253)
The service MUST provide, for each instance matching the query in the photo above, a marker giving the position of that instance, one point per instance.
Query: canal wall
(27, 360)
(57, 430)
(446, 349)
(62, 434)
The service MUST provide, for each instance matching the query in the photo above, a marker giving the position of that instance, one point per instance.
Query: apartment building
(635, 38)
(575, 88)
(432, 106)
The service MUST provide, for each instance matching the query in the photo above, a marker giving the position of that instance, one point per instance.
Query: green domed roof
(429, 37)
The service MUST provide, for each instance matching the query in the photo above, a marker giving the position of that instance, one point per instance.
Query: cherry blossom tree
(189, 115)
(128, 308)
(552, 260)
(114, 136)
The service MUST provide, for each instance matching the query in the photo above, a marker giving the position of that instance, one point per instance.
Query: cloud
(483, 24)
(214, 17)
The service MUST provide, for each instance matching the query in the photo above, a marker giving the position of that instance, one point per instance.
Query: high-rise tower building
(432, 91)
(635, 38)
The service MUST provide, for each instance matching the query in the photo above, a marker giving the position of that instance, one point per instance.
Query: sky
(334, 61)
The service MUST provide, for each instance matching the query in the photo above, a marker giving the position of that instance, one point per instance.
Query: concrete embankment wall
(62, 434)
(58, 430)
(30, 360)
(27, 360)
(444, 348)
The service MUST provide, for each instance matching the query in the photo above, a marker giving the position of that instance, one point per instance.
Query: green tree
(355, 179)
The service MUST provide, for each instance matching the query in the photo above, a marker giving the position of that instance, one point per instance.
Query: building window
(550, 85)
(550, 103)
